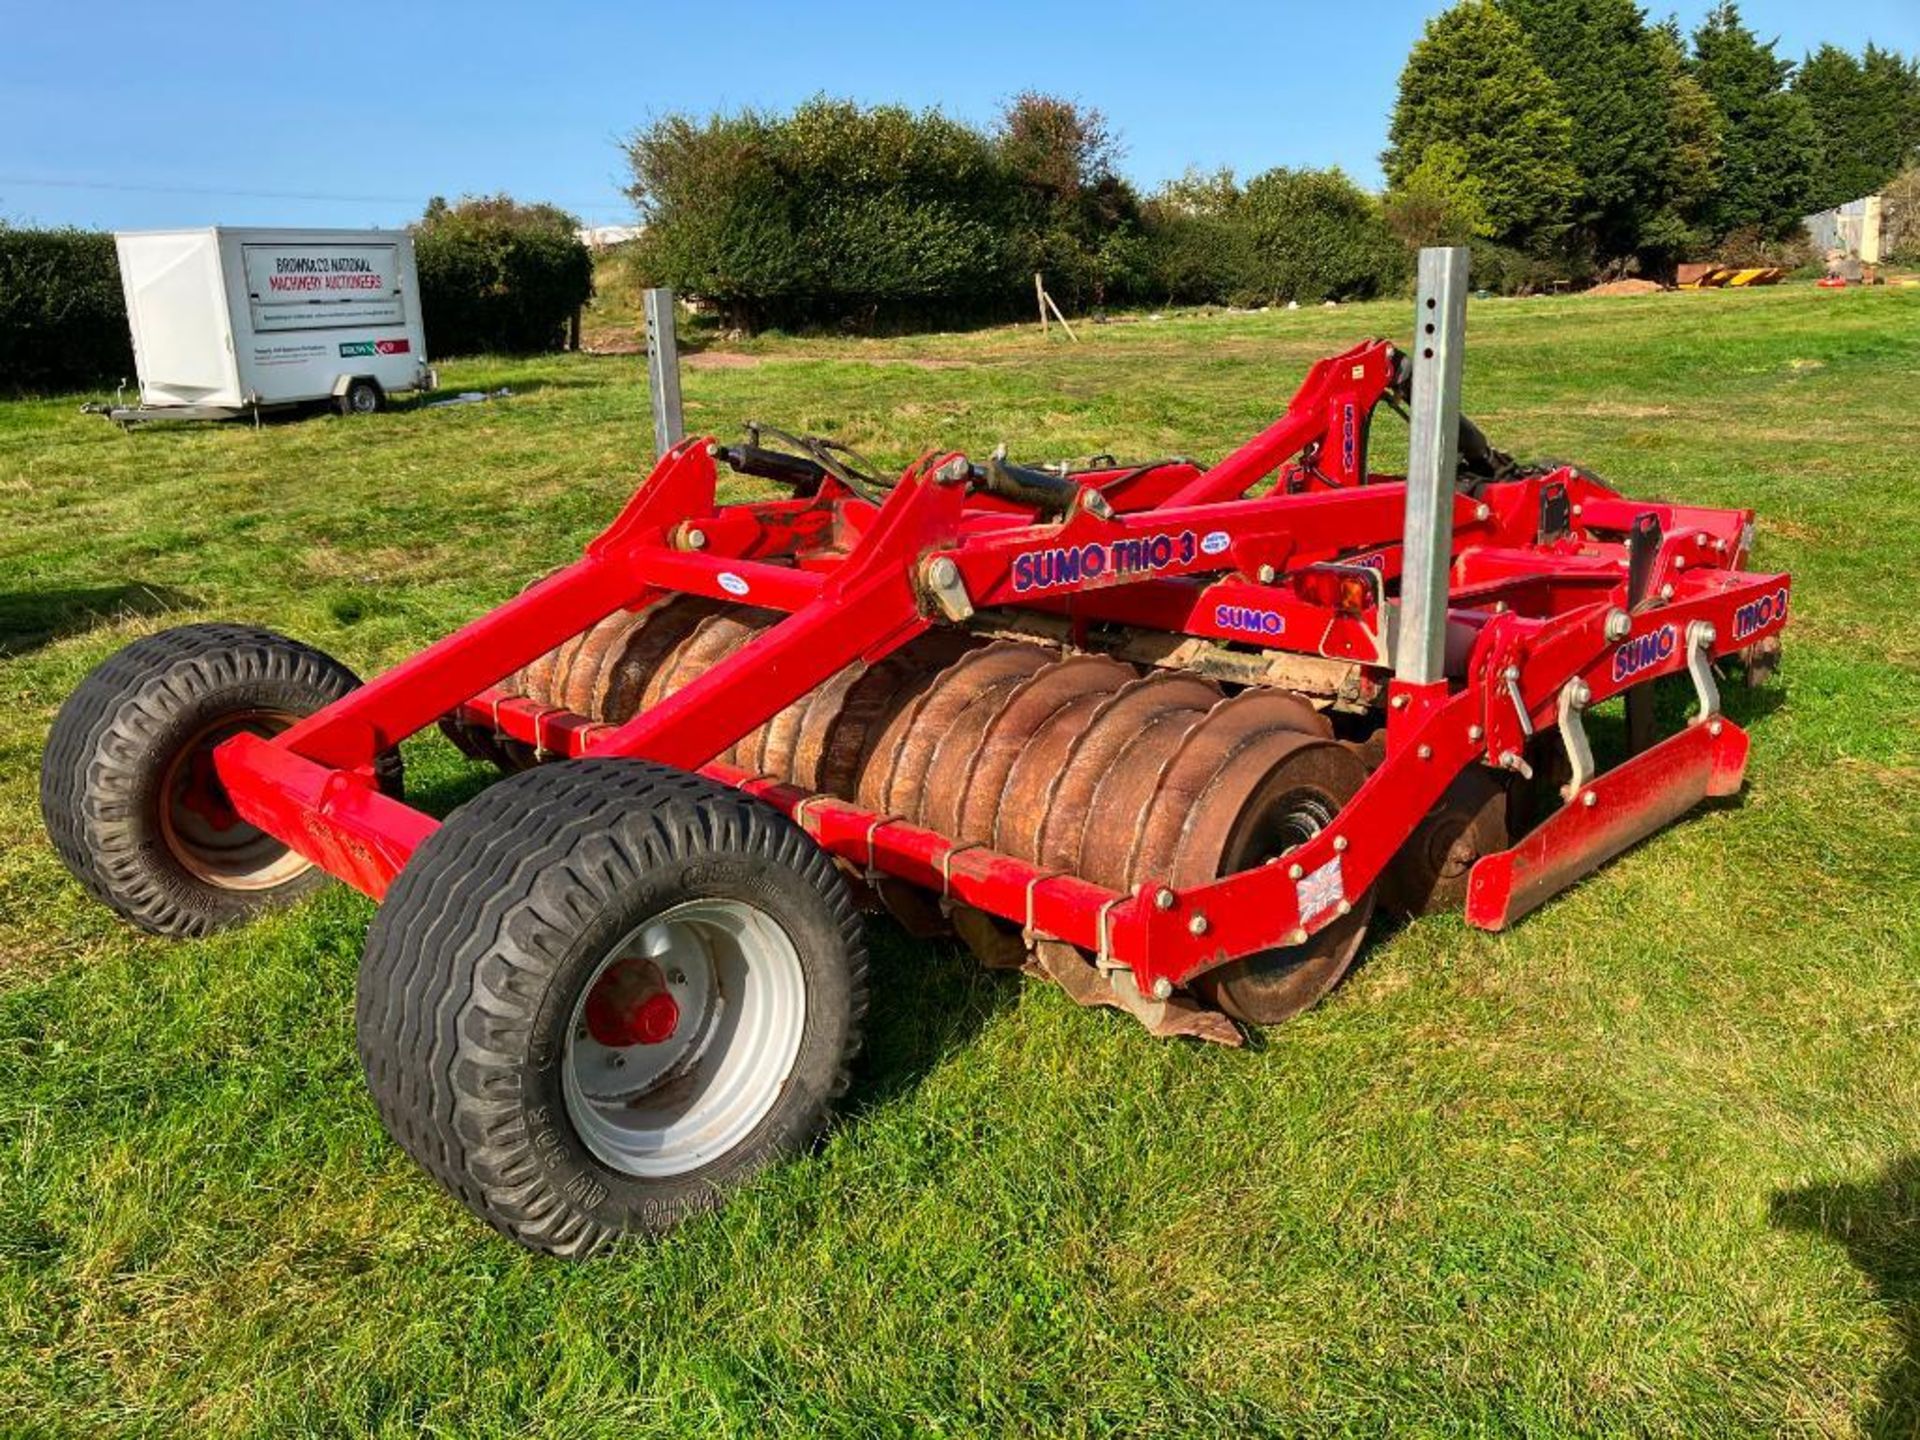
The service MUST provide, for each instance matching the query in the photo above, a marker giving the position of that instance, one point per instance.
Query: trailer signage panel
(311, 287)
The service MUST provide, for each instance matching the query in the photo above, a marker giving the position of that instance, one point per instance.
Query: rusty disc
(1108, 773)
(1429, 874)
(951, 772)
(1022, 810)
(1224, 758)
(895, 773)
(707, 644)
(1287, 788)
(632, 661)
(1028, 710)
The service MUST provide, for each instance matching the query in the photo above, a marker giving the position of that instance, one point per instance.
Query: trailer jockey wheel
(127, 783)
(361, 397)
(604, 993)
(1299, 799)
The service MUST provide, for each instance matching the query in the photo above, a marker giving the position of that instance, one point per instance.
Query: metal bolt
(1589, 799)
(1482, 512)
(1294, 872)
(1298, 937)
(1339, 842)
(943, 571)
(1679, 562)
(1474, 732)
(713, 449)
(1266, 574)
(1577, 509)
(1399, 702)
(1510, 760)
(1425, 752)
(1715, 728)
(1162, 988)
(1666, 592)
(1512, 672)
(696, 539)
(1346, 907)
(619, 1062)
(1163, 899)
(1197, 925)
(1619, 625)
(581, 1033)
(676, 977)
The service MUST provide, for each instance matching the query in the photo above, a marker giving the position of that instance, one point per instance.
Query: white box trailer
(236, 321)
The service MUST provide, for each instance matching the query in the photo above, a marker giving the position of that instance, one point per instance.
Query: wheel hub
(683, 1037)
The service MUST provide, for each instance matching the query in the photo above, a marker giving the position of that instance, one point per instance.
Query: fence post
(1433, 462)
(663, 372)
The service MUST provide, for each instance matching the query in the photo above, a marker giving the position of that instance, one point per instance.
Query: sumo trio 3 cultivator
(1163, 733)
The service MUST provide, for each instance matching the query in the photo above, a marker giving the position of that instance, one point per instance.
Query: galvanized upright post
(1432, 463)
(663, 372)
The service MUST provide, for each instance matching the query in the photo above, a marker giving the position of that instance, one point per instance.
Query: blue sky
(353, 113)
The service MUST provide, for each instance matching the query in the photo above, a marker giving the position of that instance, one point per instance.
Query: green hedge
(499, 276)
(63, 320)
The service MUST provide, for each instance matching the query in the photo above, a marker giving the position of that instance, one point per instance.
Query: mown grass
(1650, 1163)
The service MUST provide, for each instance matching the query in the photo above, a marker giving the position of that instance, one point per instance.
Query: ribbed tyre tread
(476, 958)
(107, 746)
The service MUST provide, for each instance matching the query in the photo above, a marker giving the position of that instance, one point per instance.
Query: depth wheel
(606, 992)
(127, 785)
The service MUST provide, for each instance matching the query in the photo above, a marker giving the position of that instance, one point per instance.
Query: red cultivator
(1162, 732)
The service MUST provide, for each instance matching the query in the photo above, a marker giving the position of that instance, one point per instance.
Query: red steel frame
(1183, 551)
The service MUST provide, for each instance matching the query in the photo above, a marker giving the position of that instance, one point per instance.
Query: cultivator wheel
(127, 783)
(644, 988)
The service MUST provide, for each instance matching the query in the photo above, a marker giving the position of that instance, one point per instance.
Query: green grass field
(1648, 1164)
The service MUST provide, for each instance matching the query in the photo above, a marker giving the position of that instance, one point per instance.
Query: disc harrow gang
(1074, 762)
(1135, 728)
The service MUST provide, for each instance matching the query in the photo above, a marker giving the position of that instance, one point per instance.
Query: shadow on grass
(30, 619)
(927, 999)
(1878, 1221)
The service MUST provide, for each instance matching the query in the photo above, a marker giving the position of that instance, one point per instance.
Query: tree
(1865, 109)
(832, 214)
(496, 274)
(1696, 136)
(1314, 235)
(1083, 220)
(1772, 144)
(1607, 72)
(1471, 82)
(1438, 202)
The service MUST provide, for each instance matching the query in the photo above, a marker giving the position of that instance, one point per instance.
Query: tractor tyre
(603, 994)
(127, 787)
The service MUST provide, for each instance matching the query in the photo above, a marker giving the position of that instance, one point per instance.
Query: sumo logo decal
(1078, 564)
(1756, 615)
(1644, 651)
(1251, 621)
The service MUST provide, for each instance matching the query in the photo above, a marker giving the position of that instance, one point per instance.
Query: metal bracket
(1512, 677)
(1700, 638)
(1573, 734)
(948, 587)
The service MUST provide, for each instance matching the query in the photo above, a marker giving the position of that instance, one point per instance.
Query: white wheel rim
(665, 1109)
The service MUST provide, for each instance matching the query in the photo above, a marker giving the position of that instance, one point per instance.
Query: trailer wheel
(127, 786)
(363, 396)
(603, 994)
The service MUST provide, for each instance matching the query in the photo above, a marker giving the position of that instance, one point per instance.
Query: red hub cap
(630, 1005)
